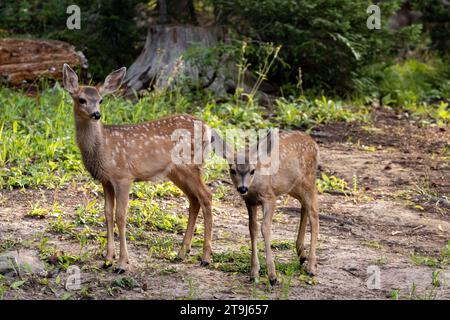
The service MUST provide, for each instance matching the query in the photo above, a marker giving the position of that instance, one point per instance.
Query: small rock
(26, 261)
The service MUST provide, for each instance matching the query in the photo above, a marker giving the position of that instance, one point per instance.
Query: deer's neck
(89, 136)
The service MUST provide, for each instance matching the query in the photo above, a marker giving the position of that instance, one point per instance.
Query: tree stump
(160, 65)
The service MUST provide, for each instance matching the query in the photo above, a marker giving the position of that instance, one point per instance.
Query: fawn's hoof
(204, 263)
(311, 271)
(178, 259)
(119, 270)
(273, 281)
(181, 256)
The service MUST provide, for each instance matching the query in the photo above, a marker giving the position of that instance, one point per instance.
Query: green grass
(149, 215)
(239, 262)
(9, 243)
(304, 112)
(436, 262)
(37, 145)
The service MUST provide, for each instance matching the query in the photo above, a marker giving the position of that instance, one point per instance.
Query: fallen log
(24, 61)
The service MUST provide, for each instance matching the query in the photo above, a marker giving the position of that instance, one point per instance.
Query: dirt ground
(381, 227)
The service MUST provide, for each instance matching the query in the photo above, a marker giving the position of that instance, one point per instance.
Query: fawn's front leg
(266, 230)
(122, 189)
(110, 204)
(194, 207)
(253, 227)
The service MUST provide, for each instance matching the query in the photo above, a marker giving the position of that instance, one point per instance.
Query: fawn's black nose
(96, 115)
(242, 190)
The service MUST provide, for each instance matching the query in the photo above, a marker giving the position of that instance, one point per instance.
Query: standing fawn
(117, 155)
(297, 159)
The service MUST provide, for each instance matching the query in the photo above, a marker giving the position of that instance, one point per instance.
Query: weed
(281, 245)
(59, 225)
(126, 283)
(9, 244)
(37, 211)
(420, 260)
(427, 294)
(192, 293)
(286, 282)
(395, 294)
(54, 257)
(372, 244)
(331, 183)
(435, 279)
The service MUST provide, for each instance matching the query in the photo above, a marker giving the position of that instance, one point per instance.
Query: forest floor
(384, 228)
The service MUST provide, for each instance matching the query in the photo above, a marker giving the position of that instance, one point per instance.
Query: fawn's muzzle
(242, 190)
(96, 115)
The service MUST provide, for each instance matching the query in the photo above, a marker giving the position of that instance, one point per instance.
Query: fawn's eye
(82, 101)
(100, 102)
(233, 172)
(252, 172)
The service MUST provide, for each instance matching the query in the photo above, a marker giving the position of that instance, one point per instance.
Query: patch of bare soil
(377, 243)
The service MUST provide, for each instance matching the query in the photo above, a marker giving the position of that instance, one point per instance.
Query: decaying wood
(160, 64)
(24, 61)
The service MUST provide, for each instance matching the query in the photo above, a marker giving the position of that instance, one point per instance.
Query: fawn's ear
(113, 81)
(263, 146)
(70, 79)
(221, 147)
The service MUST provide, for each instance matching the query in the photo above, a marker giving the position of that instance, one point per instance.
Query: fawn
(295, 175)
(117, 155)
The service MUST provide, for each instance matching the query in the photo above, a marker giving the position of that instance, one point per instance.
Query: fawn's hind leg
(309, 203)
(307, 195)
(300, 243)
(189, 180)
(194, 208)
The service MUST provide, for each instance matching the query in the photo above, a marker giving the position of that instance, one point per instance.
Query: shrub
(328, 40)
(410, 81)
(436, 19)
